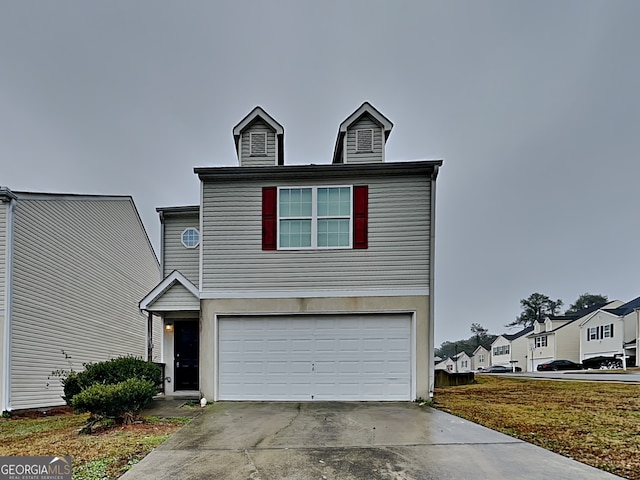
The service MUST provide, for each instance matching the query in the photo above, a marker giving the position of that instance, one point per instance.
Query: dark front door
(186, 356)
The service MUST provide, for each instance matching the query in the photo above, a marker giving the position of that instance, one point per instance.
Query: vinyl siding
(176, 298)
(568, 342)
(3, 256)
(246, 160)
(81, 267)
(378, 142)
(605, 346)
(176, 255)
(629, 327)
(397, 257)
(3, 272)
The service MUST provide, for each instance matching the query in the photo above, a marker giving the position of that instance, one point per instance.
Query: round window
(190, 238)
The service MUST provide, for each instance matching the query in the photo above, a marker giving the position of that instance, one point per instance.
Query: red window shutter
(361, 216)
(269, 225)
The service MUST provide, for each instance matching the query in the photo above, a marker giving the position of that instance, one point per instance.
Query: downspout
(431, 323)
(6, 361)
(149, 337)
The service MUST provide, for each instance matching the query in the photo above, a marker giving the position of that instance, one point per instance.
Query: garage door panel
(322, 357)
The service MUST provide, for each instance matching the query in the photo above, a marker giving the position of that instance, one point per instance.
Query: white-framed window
(501, 350)
(364, 140)
(541, 341)
(315, 217)
(607, 331)
(190, 238)
(481, 357)
(592, 333)
(258, 143)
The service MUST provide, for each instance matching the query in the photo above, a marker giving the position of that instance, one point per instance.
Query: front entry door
(186, 348)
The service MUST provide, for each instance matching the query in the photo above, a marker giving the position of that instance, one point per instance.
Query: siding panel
(397, 257)
(377, 155)
(176, 255)
(246, 160)
(3, 258)
(176, 298)
(80, 268)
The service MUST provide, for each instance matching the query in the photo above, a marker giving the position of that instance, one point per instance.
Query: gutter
(5, 376)
(432, 241)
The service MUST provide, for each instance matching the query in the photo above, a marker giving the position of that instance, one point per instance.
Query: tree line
(536, 307)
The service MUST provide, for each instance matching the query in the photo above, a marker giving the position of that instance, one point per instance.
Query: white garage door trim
(323, 357)
(540, 361)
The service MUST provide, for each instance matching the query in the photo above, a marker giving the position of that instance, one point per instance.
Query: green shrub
(121, 401)
(110, 372)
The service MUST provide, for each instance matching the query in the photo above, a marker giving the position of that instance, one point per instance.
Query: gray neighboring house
(72, 270)
(301, 282)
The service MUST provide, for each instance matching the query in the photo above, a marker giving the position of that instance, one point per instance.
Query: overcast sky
(533, 106)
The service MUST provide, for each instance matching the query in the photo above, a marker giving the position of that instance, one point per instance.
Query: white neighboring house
(448, 365)
(463, 363)
(511, 349)
(72, 268)
(610, 332)
(480, 358)
(558, 337)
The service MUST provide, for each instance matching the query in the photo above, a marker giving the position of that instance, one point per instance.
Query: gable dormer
(259, 140)
(539, 327)
(362, 136)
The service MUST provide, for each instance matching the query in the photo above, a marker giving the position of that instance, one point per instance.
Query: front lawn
(596, 423)
(106, 454)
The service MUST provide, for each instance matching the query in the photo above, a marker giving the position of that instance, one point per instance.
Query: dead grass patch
(596, 423)
(105, 454)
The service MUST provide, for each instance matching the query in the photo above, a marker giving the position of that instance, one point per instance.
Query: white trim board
(386, 292)
(173, 278)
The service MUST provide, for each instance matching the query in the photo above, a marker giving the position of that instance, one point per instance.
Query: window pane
(295, 202)
(333, 233)
(295, 233)
(334, 201)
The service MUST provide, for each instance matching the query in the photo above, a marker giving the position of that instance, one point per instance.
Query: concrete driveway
(397, 441)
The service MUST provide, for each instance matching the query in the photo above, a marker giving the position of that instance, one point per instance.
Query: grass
(103, 455)
(597, 423)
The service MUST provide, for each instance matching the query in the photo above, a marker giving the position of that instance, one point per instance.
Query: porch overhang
(174, 278)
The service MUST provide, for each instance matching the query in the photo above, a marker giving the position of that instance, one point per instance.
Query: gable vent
(364, 140)
(258, 143)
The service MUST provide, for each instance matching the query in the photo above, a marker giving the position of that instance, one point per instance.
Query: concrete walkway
(324, 441)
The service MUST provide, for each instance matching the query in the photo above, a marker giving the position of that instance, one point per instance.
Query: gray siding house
(315, 282)
(72, 270)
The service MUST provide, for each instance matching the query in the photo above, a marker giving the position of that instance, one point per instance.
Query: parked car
(499, 369)
(559, 365)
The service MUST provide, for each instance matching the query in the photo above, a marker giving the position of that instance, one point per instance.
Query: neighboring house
(447, 364)
(558, 337)
(314, 282)
(72, 269)
(462, 363)
(480, 358)
(610, 332)
(511, 349)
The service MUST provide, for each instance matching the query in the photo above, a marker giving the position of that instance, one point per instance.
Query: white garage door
(320, 357)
